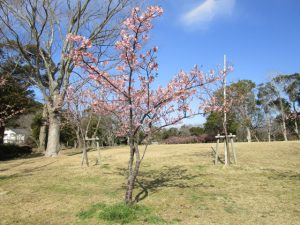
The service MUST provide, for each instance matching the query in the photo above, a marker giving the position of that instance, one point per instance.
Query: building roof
(18, 130)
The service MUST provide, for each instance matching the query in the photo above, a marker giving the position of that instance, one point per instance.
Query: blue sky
(260, 37)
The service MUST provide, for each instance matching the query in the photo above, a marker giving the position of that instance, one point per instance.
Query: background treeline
(264, 112)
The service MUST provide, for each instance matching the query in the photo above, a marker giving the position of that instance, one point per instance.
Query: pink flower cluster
(135, 34)
(130, 94)
(85, 43)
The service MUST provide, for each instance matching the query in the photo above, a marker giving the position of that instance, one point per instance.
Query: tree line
(265, 112)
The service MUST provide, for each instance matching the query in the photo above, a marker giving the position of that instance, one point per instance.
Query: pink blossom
(129, 91)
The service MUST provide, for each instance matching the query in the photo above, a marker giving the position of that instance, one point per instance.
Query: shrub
(204, 138)
(10, 151)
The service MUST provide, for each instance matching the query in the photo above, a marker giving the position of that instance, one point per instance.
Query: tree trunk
(53, 135)
(2, 129)
(284, 132)
(226, 145)
(79, 139)
(43, 131)
(84, 155)
(248, 134)
(110, 139)
(95, 132)
(269, 128)
(132, 172)
(296, 129)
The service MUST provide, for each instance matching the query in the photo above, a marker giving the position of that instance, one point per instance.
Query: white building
(14, 136)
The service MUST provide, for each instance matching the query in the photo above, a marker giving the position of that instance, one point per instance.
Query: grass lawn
(178, 184)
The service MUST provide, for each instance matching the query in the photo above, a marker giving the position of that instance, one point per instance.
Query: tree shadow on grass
(166, 177)
(9, 152)
(17, 175)
(20, 161)
(26, 172)
(33, 155)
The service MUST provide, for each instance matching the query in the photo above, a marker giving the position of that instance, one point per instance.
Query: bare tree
(37, 30)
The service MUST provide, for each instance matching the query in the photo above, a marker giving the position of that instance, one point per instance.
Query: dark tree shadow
(32, 155)
(26, 172)
(14, 152)
(166, 177)
(15, 165)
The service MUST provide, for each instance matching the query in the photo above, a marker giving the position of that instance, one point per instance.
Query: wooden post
(227, 147)
(98, 148)
(217, 147)
(225, 152)
(232, 147)
(224, 97)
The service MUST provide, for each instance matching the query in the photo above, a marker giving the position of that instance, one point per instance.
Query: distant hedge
(10, 151)
(204, 138)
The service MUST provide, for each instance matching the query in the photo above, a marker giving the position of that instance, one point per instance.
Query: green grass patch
(121, 213)
(91, 212)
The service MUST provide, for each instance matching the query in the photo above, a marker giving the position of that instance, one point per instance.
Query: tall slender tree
(292, 89)
(244, 103)
(265, 99)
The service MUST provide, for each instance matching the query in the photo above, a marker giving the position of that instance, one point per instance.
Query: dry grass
(180, 186)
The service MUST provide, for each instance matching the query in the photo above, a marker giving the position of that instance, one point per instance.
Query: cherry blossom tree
(139, 103)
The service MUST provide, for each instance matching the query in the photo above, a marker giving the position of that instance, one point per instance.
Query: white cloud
(207, 11)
